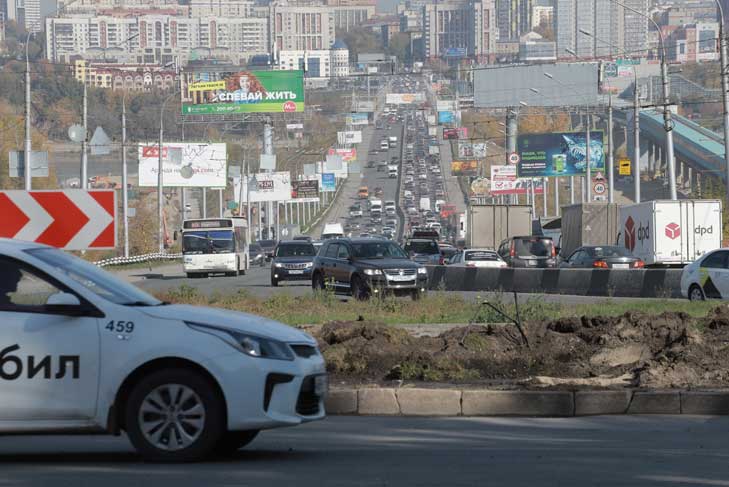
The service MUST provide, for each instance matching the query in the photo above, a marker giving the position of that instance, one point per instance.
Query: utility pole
(125, 196)
(636, 141)
(724, 88)
(160, 172)
(84, 143)
(611, 151)
(28, 143)
(588, 173)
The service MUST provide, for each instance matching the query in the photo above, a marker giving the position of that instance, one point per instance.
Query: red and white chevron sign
(71, 219)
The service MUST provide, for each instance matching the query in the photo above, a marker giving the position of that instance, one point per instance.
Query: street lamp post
(160, 172)
(667, 119)
(636, 126)
(724, 87)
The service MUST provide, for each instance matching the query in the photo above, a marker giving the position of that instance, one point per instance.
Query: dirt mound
(667, 350)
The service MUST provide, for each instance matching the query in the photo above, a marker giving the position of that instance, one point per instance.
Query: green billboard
(231, 92)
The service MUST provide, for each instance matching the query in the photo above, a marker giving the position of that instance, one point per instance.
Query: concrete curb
(409, 401)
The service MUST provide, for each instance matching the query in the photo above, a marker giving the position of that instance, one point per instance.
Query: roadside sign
(514, 158)
(71, 219)
(624, 167)
(599, 187)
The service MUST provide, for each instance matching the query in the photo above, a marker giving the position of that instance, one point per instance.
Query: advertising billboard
(328, 182)
(464, 168)
(294, 126)
(305, 189)
(446, 117)
(505, 181)
(559, 154)
(348, 155)
(404, 98)
(184, 165)
(358, 119)
(479, 150)
(445, 105)
(222, 93)
(270, 186)
(465, 150)
(349, 137)
(455, 133)
(365, 106)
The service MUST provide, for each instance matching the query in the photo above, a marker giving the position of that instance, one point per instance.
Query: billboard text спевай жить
(559, 154)
(230, 92)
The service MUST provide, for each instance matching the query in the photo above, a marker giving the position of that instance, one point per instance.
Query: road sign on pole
(514, 158)
(72, 219)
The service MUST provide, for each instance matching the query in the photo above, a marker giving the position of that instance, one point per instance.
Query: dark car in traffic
(256, 255)
(364, 267)
(529, 252)
(602, 257)
(292, 261)
(268, 246)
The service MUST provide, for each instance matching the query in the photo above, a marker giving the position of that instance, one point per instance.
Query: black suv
(292, 261)
(365, 266)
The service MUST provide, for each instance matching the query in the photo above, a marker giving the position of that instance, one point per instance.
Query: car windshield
(481, 256)
(95, 279)
(208, 242)
(267, 243)
(603, 252)
(378, 250)
(300, 250)
(537, 247)
(254, 248)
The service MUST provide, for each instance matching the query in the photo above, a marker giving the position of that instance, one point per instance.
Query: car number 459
(120, 326)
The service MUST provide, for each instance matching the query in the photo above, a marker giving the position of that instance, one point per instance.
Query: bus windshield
(208, 242)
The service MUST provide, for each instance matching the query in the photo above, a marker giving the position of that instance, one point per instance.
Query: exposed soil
(671, 350)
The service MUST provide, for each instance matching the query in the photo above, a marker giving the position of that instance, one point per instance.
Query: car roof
(294, 242)
(12, 245)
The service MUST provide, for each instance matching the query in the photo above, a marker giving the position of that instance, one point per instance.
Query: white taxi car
(707, 277)
(81, 350)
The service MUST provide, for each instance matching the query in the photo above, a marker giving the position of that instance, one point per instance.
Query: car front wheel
(175, 415)
(695, 293)
(317, 282)
(360, 291)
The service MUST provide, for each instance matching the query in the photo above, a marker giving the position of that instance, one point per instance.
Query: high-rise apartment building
(600, 28)
(466, 27)
(294, 28)
(150, 39)
(513, 18)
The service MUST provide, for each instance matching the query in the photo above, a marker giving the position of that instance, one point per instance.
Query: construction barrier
(637, 283)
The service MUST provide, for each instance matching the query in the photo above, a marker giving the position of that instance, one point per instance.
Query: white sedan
(485, 258)
(707, 277)
(82, 351)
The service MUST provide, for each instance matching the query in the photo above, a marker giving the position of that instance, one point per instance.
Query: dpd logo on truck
(673, 231)
(630, 233)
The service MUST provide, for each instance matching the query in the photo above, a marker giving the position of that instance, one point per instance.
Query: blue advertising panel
(328, 182)
(445, 117)
(559, 154)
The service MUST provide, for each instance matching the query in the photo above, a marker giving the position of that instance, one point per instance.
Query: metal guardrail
(137, 259)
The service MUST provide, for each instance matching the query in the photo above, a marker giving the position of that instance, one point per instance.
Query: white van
(332, 230)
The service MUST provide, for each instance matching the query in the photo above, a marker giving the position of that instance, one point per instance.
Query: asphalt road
(374, 451)
(257, 282)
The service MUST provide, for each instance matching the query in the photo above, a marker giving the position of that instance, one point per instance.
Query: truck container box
(489, 225)
(589, 224)
(671, 233)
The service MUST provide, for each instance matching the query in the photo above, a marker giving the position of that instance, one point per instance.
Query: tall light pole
(636, 127)
(160, 172)
(667, 119)
(724, 87)
(28, 148)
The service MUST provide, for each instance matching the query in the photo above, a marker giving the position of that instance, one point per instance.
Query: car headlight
(422, 270)
(278, 264)
(373, 272)
(251, 345)
(309, 264)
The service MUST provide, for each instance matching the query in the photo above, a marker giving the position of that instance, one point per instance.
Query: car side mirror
(63, 299)
(67, 304)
